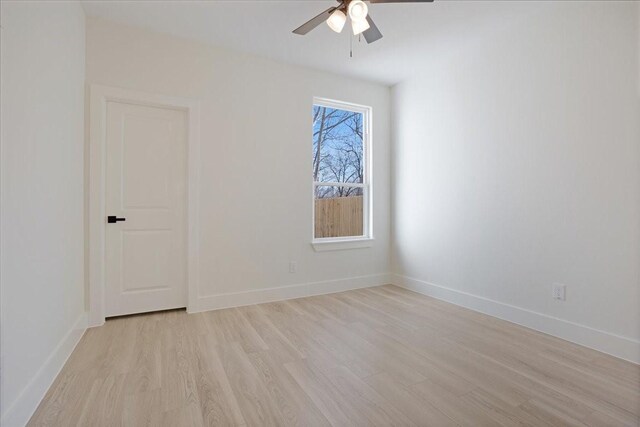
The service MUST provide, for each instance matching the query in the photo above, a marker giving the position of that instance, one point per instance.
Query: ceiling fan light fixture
(337, 20)
(357, 10)
(359, 26)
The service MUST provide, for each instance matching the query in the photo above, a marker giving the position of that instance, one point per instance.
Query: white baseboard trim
(238, 299)
(21, 410)
(606, 342)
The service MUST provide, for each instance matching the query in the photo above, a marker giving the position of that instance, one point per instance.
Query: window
(341, 172)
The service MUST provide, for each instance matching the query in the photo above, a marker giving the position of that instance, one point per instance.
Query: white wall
(42, 282)
(517, 165)
(255, 177)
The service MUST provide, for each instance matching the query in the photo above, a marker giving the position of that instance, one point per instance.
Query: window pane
(338, 211)
(337, 145)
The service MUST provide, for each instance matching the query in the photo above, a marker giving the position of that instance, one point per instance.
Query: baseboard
(237, 299)
(606, 342)
(21, 410)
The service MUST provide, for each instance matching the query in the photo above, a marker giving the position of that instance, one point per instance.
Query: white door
(145, 192)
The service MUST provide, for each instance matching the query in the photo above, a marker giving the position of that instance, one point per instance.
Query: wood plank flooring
(381, 356)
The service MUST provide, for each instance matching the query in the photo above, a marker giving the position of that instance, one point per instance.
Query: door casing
(98, 97)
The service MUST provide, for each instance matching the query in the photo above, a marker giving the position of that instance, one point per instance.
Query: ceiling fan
(358, 11)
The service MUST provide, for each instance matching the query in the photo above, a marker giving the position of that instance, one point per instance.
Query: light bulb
(358, 10)
(359, 26)
(337, 20)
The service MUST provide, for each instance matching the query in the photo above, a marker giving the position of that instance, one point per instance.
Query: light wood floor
(378, 356)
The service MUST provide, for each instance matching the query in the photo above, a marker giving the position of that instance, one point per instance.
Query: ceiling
(415, 35)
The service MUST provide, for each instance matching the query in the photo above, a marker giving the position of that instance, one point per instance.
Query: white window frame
(349, 242)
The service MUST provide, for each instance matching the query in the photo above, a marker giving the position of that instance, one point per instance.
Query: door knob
(112, 219)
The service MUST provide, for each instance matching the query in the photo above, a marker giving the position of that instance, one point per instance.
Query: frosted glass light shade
(359, 26)
(358, 10)
(337, 20)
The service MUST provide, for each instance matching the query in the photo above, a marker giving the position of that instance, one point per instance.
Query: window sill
(339, 245)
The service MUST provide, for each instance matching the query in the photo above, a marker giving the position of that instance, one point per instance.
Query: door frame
(98, 97)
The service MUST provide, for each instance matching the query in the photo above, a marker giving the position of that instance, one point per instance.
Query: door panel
(146, 184)
(146, 260)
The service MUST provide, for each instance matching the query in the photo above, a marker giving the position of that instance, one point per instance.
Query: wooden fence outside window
(339, 217)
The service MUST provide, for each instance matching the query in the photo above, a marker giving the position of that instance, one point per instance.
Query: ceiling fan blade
(314, 22)
(373, 33)
(400, 1)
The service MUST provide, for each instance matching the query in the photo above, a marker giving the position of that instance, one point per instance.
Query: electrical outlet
(293, 267)
(559, 292)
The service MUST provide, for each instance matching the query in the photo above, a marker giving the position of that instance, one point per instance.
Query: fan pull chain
(350, 46)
